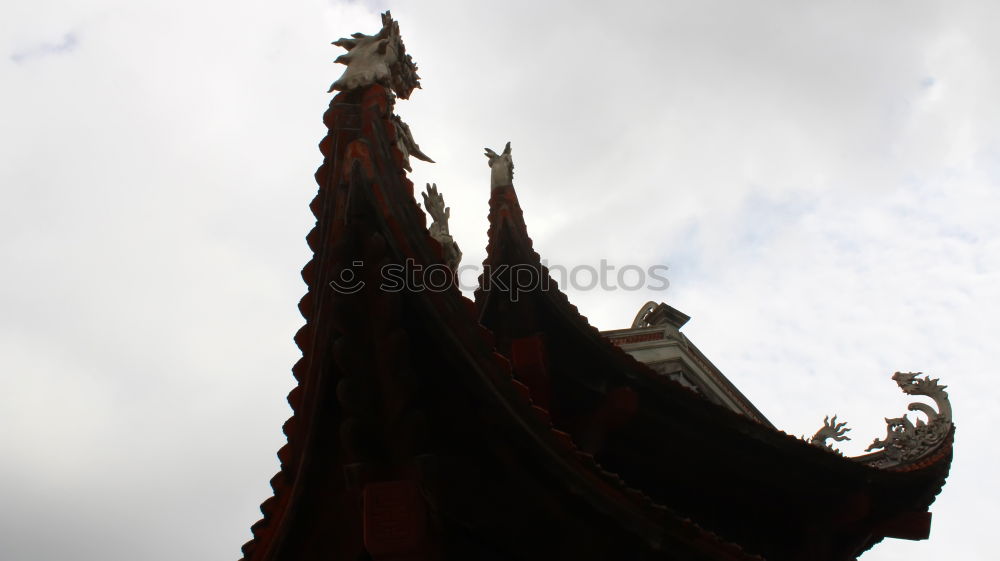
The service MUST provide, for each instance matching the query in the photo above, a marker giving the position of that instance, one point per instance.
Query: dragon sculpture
(379, 58)
(905, 440)
(382, 59)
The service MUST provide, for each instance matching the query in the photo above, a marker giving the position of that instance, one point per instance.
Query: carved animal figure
(905, 440)
(379, 58)
(927, 386)
(501, 167)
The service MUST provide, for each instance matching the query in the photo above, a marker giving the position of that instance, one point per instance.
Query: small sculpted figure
(434, 203)
(407, 146)
(899, 433)
(830, 429)
(501, 167)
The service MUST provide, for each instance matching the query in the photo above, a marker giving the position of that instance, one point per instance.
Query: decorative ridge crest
(904, 440)
(377, 59)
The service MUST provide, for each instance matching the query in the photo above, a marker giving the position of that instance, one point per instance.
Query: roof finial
(379, 58)
(502, 167)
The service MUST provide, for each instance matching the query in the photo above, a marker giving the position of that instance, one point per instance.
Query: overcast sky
(822, 179)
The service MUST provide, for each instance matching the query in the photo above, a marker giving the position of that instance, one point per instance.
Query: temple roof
(426, 426)
(584, 378)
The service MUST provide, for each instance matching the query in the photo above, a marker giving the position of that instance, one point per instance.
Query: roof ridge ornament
(377, 59)
(434, 203)
(830, 429)
(406, 145)
(501, 167)
(905, 441)
(652, 314)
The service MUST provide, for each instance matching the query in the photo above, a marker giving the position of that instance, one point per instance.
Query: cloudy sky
(821, 178)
